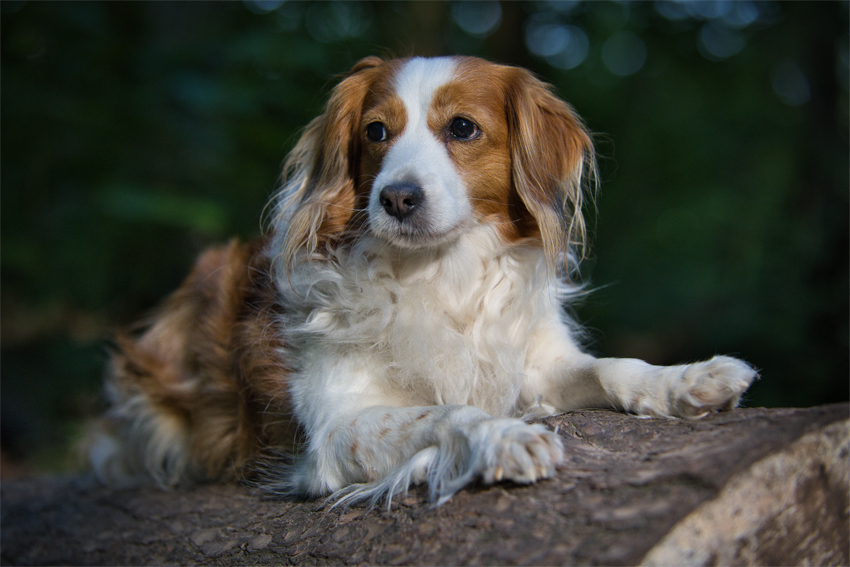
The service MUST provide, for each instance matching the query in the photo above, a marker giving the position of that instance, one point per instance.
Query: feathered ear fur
(553, 164)
(316, 201)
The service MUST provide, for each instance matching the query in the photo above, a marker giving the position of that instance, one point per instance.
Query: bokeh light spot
(263, 6)
(717, 42)
(478, 19)
(624, 53)
(335, 20)
(790, 84)
(562, 45)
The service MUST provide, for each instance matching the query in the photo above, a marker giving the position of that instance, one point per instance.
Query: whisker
(483, 200)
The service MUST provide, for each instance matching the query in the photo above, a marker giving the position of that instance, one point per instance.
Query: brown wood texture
(750, 486)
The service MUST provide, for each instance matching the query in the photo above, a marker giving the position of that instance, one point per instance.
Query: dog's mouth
(405, 214)
(412, 234)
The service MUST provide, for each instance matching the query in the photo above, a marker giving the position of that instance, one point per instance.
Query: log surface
(749, 486)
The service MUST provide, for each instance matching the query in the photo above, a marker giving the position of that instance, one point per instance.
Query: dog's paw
(513, 450)
(715, 384)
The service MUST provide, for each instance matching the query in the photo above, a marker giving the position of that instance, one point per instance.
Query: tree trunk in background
(754, 486)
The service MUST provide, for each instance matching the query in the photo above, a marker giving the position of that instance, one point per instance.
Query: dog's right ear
(316, 200)
(554, 165)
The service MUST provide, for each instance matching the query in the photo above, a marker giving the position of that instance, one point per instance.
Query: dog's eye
(377, 132)
(463, 128)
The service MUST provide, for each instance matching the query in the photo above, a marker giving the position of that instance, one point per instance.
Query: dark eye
(463, 128)
(377, 132)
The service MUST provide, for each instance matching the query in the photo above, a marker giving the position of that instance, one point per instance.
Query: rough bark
(754, 486)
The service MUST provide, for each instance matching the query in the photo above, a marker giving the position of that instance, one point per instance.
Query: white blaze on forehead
(418, 79)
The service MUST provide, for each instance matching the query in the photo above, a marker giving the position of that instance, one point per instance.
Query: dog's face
(435, 154)
(417, 151)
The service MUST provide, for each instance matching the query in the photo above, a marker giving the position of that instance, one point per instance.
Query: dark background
(135, 134)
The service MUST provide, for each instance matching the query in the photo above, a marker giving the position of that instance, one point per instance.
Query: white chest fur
(448, 326)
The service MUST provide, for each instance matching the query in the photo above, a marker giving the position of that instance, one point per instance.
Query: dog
(404, 313)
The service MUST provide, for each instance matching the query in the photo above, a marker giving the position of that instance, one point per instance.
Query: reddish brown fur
(210, 361)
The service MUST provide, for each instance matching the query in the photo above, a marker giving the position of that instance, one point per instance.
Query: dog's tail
(195, 393)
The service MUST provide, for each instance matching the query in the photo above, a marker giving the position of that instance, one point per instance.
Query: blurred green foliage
(135, 134)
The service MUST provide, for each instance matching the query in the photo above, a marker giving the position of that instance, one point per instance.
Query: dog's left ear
(553, 164)
(317, 198)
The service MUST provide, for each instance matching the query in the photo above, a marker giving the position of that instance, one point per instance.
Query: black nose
(401, 200)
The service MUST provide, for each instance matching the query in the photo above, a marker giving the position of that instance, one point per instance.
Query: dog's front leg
(686, 390)
(382, 449)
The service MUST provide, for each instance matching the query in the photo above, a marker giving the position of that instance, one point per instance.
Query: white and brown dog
(404, 313)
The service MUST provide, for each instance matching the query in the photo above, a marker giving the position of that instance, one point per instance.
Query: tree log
(750, 486)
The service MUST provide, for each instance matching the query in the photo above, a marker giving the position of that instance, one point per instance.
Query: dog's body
(404, 312)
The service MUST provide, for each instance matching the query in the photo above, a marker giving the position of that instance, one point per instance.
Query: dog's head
(416, 151)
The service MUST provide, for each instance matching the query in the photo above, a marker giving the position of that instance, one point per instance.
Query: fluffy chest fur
(451, 325)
